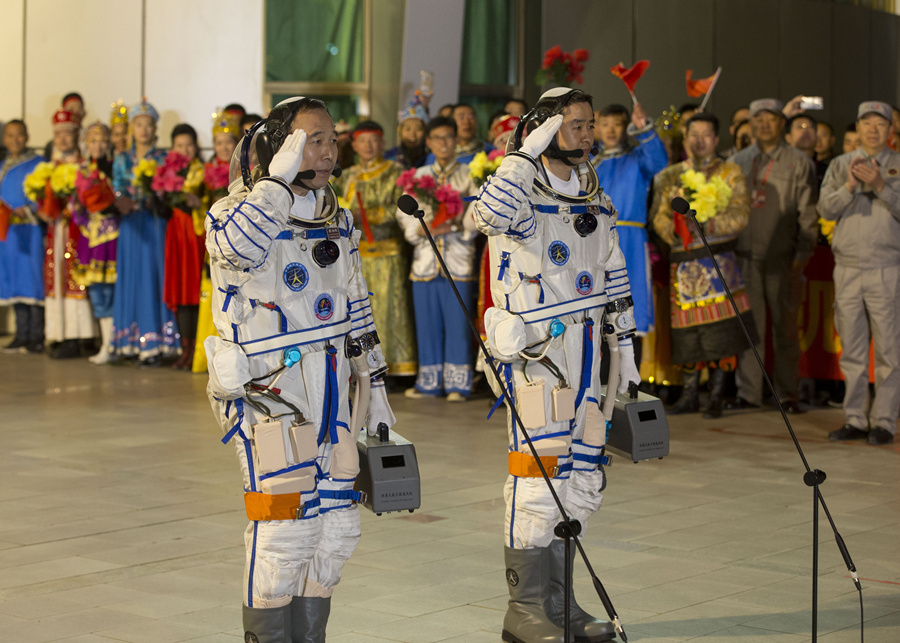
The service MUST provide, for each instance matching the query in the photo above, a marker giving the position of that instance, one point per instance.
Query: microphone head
(407, 204)
(337, 171)
(680, 205)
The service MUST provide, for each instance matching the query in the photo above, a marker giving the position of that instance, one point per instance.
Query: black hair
(458, 105)
(235, 107)
(734, 113)
(496, 114)
(828, 125)
(72, 95)
(797, 117)
(448, 105)
(440, 121)
(703, 117)
(616, 110)
(247, 120)
(521, 101)
(851, 128)
(184, 128)
(17, 121)
(368, 126)
(688, 107)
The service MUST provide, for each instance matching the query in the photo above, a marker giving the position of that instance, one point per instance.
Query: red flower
(215, 176)
(406, 180)
(450, 198)
(426, 182)
(552, 55)
(581, 55)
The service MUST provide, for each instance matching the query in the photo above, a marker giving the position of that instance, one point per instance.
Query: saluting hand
(288, 159)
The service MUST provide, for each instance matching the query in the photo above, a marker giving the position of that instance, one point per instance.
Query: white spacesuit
(557, 277)
(291, 308)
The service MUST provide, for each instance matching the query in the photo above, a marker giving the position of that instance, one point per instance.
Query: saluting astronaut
(291, 307)
(557, 279)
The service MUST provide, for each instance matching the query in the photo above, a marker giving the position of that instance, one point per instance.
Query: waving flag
(630, 76)
(696, 88)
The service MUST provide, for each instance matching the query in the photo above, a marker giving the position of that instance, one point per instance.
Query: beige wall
(188, 58)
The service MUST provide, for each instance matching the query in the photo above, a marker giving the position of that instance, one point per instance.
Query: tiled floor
(121, 520)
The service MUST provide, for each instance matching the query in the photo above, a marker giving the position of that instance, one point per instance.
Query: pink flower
(216, 176)
(450, 198)
(426, 182)
(496, 154)
(406, 181)
(177, 162)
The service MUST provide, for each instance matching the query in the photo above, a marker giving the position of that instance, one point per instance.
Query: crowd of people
(103, 249)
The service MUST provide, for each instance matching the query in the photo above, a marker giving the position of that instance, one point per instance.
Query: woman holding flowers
(98, 220)
(142, 326)
(68, 319)
(705, 328)
(178, 183)
(445, 348)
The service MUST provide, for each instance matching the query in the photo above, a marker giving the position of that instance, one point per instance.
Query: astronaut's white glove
(287, 160)
(505, 333)
(379, 410)
(536, 142)
(628, 370)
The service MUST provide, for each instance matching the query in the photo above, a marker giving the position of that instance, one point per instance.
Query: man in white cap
(774, 248)
(861, 192)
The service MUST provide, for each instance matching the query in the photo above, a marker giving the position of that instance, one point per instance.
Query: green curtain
(488, 52)
(314, 41)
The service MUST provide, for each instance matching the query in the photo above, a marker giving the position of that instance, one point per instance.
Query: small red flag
(696, 88)
(630, 76)
(682, 229)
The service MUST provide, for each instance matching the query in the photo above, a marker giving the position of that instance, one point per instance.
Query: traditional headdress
(227, 123)
(95, 128)
(119, 113)
(506, 124)
(414, 109)
(143, 109)
(63, 119)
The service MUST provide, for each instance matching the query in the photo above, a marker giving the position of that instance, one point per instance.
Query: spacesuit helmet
(256, 150)
(551, 103)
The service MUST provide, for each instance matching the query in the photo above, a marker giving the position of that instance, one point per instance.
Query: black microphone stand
(568, 529)
(812, 477)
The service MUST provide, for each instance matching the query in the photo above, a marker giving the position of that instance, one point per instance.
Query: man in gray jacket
(773, 249)
(861, 192)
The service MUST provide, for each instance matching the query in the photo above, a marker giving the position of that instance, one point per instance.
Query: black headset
(545, 109)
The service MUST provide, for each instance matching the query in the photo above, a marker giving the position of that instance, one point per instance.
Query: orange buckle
(523, 465)
(266, 506)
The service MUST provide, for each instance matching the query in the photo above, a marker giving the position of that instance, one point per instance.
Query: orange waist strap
(265, 506)
(523, 465)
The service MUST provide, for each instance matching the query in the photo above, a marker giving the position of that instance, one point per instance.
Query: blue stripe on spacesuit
(502, 216)
(255, 225)
(322, 233)
(293, 467)
(285, 235)
(364, 317)
(228, 239)
(357, 301)
(263, 214)
(330, 405)
(249, 238)
(222, 252)
(252, 565)
(512, 513)
(486, 222)
(587, 360)
(495, 178)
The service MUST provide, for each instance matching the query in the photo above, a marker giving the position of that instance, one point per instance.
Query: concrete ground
(121, 519)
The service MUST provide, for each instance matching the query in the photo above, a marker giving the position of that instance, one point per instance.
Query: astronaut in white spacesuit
(291, 309)
(559, 283)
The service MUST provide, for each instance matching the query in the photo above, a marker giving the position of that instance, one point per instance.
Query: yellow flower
(194, 179)
(34, 183)
(62, 181)
(692, 180)
(478, 165)
(144, 168)
(827, 228)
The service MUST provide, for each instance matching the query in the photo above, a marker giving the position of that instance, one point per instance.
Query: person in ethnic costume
(369, 190)
(445, 348)
(410, 151)
(68, 321)
(705, 328)
(142, 326)
(185, 246)
(226, 132)
(98, 220)
(22, 254)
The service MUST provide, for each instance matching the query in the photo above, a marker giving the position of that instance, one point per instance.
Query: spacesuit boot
(267, 625)
(527, 575)
(585, 627)
(309, 616)
(689, 402)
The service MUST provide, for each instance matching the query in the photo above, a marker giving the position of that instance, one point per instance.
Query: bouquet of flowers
(484, 165)
(445, 202)
(144, 172)
(707, 196)
(826, 229)
(216, 180)
(93, 189)
(562, 67)
(176, 177)
(50, 185)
